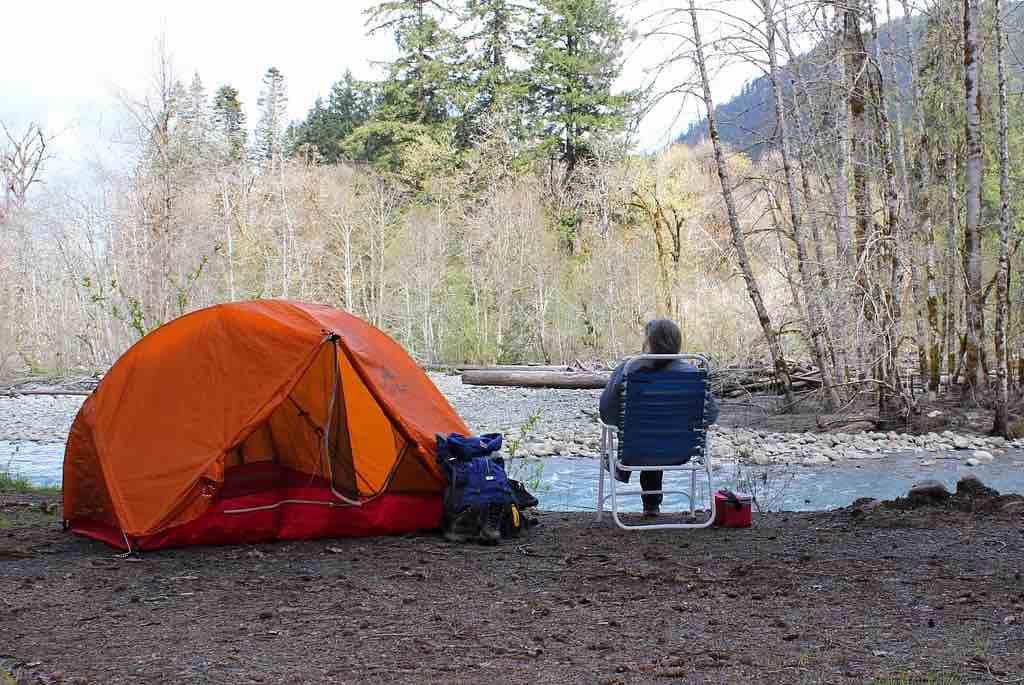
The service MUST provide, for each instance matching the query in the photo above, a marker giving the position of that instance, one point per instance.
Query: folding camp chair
(660, 428)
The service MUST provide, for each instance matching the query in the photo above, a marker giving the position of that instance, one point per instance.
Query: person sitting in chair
(661, 336)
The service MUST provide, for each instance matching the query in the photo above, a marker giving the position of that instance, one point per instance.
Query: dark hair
(662, 336)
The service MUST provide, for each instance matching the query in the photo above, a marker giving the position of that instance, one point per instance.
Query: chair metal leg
(663, 526)
(693, 492)
(609, 459)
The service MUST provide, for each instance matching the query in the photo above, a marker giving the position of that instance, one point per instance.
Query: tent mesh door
(339, 444)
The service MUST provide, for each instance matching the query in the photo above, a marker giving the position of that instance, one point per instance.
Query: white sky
(64, 61)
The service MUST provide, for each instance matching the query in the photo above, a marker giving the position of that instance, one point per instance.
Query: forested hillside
(746, 121)
(480, 202)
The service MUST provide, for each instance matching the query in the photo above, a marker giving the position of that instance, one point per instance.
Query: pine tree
(229, 122)
(273, 104)
(575, 57)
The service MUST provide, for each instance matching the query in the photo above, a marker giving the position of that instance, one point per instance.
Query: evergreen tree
(420, 79)
(314, 132)
(273, 104)
(416, 98)
(195, 116)
(229, 122)
(575, 57)
(327, 125)
(351, 101)
(494, 87)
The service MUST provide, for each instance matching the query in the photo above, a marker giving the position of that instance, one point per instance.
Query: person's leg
(651, 480)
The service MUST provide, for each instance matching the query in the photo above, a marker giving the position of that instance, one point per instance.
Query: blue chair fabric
(662, 417)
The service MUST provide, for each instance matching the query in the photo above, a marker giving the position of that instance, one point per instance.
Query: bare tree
(855, 53)
(845, 253)
(891, 300)
(738, 240)
(1000, 426)
(22, 158)
(915, 197)
(972, 234)
(816, 324)
(921, 212)
(949, 166)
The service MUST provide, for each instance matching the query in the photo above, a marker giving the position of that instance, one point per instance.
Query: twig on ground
(996, 678)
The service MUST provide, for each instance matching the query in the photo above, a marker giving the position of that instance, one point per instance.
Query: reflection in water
(570, 484)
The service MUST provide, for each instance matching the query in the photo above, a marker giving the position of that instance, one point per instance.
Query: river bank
(791, 470)
(547, 422)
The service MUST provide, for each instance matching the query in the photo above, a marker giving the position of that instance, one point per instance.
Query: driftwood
(725, 382)
(16, 393)
(739, 381)
(514, 367)
(576, 380)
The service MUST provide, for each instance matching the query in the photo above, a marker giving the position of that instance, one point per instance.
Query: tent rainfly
(256, 421)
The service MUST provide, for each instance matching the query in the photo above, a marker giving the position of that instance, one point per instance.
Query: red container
(732, 510)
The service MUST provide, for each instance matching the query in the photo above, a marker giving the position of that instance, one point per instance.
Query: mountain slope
(746, 122)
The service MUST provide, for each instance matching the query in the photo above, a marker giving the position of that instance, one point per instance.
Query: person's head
(662, 336)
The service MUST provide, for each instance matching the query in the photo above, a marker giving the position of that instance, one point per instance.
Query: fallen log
(513, 367)
(724, 382)
(575, 380)
(15, 393)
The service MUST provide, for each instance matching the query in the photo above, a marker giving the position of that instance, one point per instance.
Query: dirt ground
(904, 593)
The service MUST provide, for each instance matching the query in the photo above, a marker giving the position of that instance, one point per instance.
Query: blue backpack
(480, 502)
(475, 479)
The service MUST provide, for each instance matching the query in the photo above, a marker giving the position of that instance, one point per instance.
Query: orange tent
(257, 420)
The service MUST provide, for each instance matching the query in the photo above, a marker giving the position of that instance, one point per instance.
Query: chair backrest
(662, 416)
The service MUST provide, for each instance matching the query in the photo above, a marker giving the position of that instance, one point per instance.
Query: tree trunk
(753, 289)
(999, 426)
(809, 146)
(952, 268)
(811, 287)
(972, 235)
(923, 227)
(846, 258)
(856, 69)
(914, 196)
(536, 379)
(892, 325)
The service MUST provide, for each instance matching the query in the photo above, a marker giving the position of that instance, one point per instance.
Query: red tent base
(263, 502)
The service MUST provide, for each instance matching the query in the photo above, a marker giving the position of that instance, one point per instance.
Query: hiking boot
(490, 531)
(462, 527)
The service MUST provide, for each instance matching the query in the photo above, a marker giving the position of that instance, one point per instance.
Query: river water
(570, 484)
